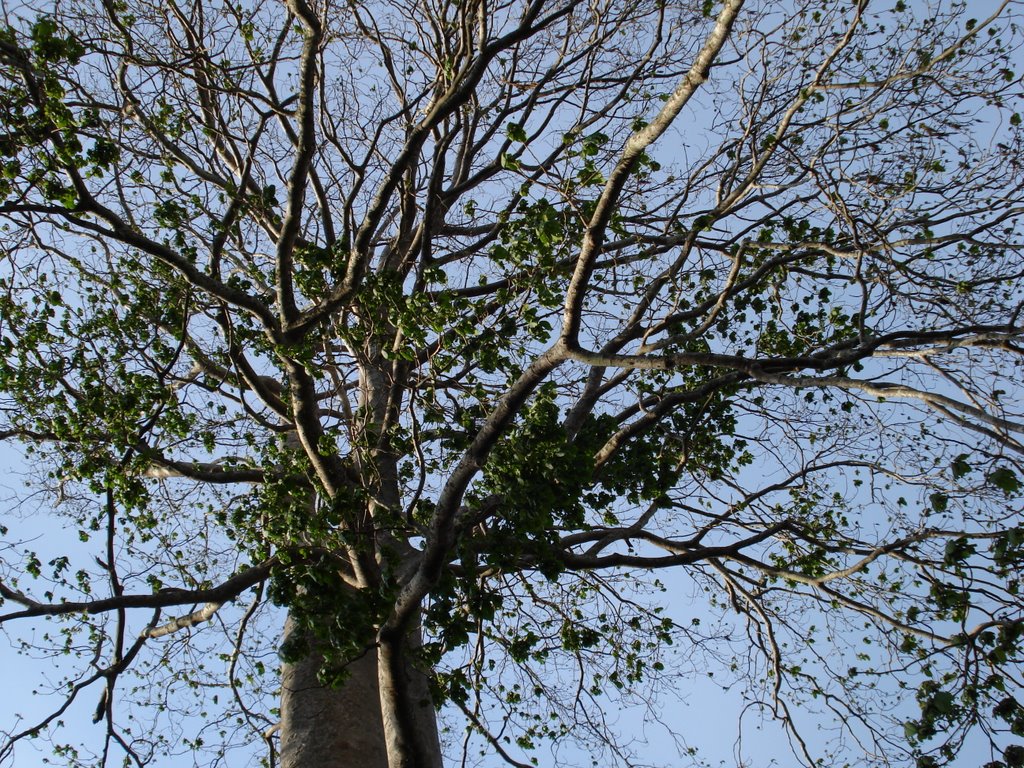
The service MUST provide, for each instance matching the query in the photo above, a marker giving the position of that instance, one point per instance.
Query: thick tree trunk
(331, 728)
(344, 727)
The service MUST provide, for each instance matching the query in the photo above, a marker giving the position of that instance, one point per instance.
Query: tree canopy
(539, 356)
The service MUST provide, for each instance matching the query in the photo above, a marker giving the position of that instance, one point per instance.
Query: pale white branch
(182, 622)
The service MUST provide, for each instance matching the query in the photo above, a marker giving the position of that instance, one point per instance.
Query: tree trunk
(344, 727)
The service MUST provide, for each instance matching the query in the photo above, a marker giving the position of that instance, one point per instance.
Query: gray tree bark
(344, 727)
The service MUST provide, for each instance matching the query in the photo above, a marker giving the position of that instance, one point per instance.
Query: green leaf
(959, 550)
(516, 132)
(1005, 479)
(1014, 756)
(943, 703)
(960, 466)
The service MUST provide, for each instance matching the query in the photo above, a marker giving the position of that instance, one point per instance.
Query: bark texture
(410, 723)
(331, 728)
(344, 727)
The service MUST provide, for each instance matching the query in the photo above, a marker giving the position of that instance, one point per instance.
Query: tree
(458, 329)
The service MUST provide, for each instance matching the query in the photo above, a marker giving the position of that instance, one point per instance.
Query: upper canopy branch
(305, 151)
(839, 355)
(607, 202)
(458, 92)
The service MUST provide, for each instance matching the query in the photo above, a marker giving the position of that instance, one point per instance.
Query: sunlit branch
(183, 622)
